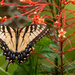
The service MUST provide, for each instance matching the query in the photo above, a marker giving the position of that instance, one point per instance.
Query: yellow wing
(7, 37)
(31, 35)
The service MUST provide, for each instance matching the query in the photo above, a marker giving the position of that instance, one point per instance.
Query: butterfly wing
(30, 35)
(7, 38)
(27, 37)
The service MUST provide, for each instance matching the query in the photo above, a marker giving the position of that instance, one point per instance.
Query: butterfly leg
(7, 66)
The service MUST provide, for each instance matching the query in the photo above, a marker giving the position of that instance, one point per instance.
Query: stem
(56, 63)
(51, 7)
(61, 58)
(61, 43)
(56, 59)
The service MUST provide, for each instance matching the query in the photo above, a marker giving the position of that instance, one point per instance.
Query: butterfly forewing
(31, 34)
(8, 36)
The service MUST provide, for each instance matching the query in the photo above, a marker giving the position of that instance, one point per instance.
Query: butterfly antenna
(7, 66)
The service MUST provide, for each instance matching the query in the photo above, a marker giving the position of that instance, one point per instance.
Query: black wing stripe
(25, 31)
(8, 29)
(31, 28)
(17, 37)
(21, 29)
(3, 29)
(35, 27)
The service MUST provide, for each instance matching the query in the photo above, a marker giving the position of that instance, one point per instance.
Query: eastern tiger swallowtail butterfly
(17, 43)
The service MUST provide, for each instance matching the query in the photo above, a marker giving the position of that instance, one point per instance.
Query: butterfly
(17, 43)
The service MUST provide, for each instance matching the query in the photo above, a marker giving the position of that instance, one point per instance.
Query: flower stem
(56, 63)
(61, 58)
(61, 43)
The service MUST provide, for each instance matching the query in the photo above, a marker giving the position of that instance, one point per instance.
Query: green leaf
(42, 47)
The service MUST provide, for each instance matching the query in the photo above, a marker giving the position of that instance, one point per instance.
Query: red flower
(61, 33)
(57, 23)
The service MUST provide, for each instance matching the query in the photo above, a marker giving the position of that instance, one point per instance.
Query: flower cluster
(61, 33)
(67, 2)
(37, 19)
(3, 19)
(57, 23)
(2, 2)
(28, 1)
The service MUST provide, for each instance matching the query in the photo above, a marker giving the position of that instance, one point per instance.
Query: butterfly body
(17, 43)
